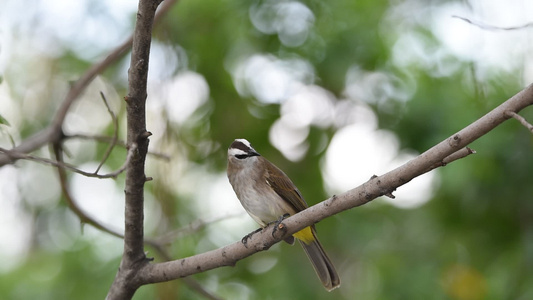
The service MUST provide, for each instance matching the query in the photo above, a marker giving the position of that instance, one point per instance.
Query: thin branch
(462, 153)
(115, 133)
(520, 119)
(84, 218)
(63, 165)
(492, 27)
(378, 186)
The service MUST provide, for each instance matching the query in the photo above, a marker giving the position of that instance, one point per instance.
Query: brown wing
(284, 187)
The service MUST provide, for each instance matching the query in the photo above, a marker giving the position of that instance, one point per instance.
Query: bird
(267, 194)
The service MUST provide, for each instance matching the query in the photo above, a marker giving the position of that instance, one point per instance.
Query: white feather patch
(234, 152)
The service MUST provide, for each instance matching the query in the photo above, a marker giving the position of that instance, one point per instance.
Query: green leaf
(4, 121)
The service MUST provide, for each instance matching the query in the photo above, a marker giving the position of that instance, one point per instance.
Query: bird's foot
(245, 239)
(279, 224)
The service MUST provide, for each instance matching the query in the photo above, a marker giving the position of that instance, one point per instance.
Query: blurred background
(332, 92)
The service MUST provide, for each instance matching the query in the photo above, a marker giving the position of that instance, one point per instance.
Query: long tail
(321, 262)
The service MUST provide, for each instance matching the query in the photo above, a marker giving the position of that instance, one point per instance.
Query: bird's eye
(241, 156)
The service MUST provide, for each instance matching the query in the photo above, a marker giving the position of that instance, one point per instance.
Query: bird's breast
(257, 197)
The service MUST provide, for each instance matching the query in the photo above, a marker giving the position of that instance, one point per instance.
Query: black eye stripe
(241, 156)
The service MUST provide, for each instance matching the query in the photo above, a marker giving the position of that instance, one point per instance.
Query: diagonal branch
(375, 187)
(114, 139)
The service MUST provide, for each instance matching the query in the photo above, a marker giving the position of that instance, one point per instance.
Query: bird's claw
(245, 239)
(279, 224)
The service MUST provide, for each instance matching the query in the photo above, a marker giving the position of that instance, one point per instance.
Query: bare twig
(520, 119)
(458, 155)
(84, 218)
(114, 139)
(462, 153)
(63, 165)
(492, 27)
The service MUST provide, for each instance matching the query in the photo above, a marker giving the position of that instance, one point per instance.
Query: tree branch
(520, 119)
(126, 281)
(63, 165)
(114, 139)
(462, 153)
(439, 155)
